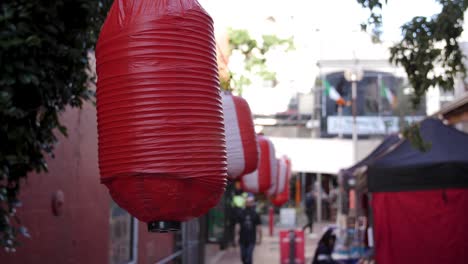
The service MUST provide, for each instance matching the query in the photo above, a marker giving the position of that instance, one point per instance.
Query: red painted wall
(81, 233)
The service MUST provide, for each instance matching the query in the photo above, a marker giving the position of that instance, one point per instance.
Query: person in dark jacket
(249, 226)
(323, 253)
(237, 205)
(309, 210)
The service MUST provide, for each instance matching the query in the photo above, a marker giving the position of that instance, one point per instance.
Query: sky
(329, 28)
(326, 15)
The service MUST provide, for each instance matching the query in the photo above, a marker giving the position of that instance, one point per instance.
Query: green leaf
(63, 130)
(419, 51)
(33, 40)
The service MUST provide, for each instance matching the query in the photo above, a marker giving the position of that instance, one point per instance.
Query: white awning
(319, 155)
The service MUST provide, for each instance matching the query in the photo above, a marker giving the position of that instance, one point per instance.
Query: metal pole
(340, 117)
(298, 190)
(299, 116)
(271, 219)
(303, 187)
(292, 247)
(354, 96)
(319, 197)
(379, 95)
(324, 99)
(340, 199)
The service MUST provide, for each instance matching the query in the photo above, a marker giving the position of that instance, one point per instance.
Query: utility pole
(354, 75)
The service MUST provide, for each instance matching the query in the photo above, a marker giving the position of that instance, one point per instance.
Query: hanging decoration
(282, 195)
(277, 183)
(241, 140)
(162, 151)
(259, 181)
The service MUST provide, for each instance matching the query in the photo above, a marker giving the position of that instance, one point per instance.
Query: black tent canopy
(404, 168)
(379, 151)
(354, 178)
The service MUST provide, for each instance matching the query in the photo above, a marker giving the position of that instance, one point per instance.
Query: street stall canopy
(419, 199)
(444, 165)
(380, 150)
(354, 178)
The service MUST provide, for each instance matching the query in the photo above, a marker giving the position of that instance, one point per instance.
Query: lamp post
(354, 75)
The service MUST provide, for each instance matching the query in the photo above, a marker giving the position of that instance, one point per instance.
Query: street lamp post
(354, 76)
(354, 95)
(340, 118)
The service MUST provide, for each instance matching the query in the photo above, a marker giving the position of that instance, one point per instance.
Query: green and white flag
(387, 93)
(333, 94)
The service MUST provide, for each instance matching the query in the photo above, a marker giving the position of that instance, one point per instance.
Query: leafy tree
(254, 55)
(44, 49)
(427, 43)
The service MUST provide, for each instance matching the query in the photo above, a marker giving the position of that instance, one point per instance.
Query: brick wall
(81, 233)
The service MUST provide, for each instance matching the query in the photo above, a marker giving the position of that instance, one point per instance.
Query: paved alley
(268, 251)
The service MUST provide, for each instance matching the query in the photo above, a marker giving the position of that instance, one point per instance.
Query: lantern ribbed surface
(259, 181)
(162, 151)
(241, 140)
(278, 183)
(282, 195)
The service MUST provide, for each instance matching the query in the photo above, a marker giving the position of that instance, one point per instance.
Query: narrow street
(267, 252)
(162, 131)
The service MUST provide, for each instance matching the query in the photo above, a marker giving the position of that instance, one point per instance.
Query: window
(123, 236)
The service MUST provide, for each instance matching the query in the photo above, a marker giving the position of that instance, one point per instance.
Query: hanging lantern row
(241, 140)
(259, 181)
(282, 195)
(162, 150)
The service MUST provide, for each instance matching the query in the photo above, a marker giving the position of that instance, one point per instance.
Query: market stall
(420, 199)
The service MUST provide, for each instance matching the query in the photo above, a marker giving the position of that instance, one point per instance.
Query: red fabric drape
(428, 227)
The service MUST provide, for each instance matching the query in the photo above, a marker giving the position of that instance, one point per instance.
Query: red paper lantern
(241, 140)
(278, 183)
(283, 192)
(162, 151)
(259, 181)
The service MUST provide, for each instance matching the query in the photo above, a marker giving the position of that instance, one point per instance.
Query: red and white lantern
(259, 181)
(278, 183)
(162, 151)
(241, 140)
(282, 195)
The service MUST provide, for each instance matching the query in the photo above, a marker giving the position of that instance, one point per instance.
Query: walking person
(237, 205)
(309, 210)
(249, 230)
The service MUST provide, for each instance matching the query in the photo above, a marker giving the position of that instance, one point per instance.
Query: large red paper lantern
(162, 151)
(282, 195)
(241, 140)
(259, 181)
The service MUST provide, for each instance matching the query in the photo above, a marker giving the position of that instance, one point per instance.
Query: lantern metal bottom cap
(163, 226)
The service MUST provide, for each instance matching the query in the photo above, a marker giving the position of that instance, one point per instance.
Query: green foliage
(270, 41)
(255, 57)
(44, 49)
(419, 52)
(413, 134)
(241, 40)
(375, 18)
(427, 44)
(240, 81)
